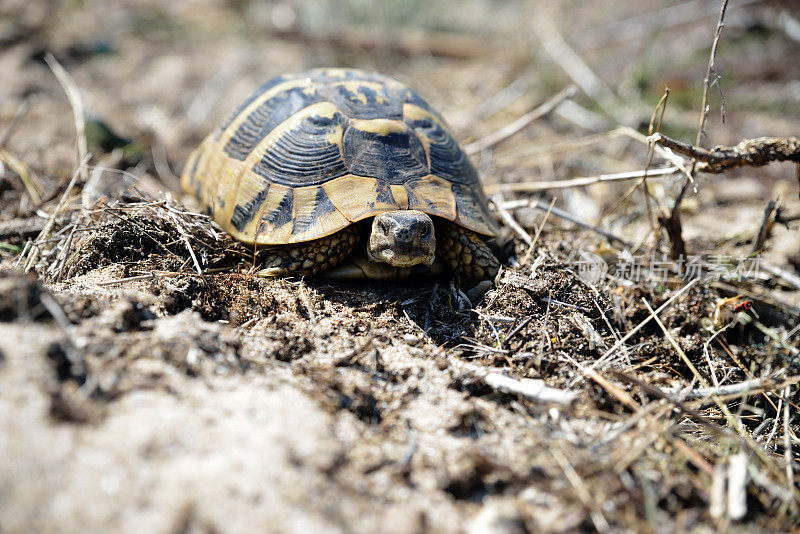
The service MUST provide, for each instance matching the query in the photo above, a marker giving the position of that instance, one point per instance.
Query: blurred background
(162, 74)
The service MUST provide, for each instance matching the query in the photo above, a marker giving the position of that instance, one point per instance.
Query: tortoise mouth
(399, 259)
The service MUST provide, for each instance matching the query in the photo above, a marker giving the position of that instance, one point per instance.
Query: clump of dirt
(232, 297)
(20, 298)
(147, 235)
(551, 310)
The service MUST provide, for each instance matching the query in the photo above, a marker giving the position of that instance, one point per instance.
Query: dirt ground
(150, 383)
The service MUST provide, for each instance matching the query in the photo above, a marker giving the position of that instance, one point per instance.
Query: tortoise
(315, 163)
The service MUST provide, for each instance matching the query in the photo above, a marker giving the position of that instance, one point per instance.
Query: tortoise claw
(476, 293)
(360, 268)
(272, 272)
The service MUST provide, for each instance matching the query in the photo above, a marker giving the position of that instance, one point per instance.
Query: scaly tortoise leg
(310, 257)
(466, 254)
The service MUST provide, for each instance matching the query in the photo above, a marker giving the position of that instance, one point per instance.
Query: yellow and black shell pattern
(311, 153)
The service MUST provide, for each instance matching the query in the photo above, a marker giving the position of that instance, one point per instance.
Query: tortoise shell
(311, 153)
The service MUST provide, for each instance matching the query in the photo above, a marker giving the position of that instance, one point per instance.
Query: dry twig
(533, 390)
(34, 251)
(737, 486)
(21, 228)
(74, 97)
(15, 120)
(575, 67)
(561, 214)
(607, 355)
(749, 153)
(700, 393)
(583, 181)
(29, 179)
(787, 442)
(507, 131)
(767, 221)
(788, 277)
(510, 221)
(672, 223)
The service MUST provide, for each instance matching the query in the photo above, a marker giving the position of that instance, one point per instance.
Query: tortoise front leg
(465, 253)
(310, 257)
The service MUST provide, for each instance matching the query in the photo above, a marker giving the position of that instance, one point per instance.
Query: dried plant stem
(737, 395)
(664, 152)
(700, 393)
(749, 153)
(510, 221)
(606, 356)
(599, 521)
(530, 187)
(561, 214)
(74, 97)
(533, 390)
(34, 251)
(21, 228)
(787, 442)
(677, 347)
(81, 170)
(550, 151)
(509, 130)
(762, 234)
(701, 130)
(613, 389)
(690, 453)
(672, 223)
(528, 253)
(573, 64)
(15, 120)
(662, 105)
(29, 179)
(733, 421)
(788, 277)
(743, 439)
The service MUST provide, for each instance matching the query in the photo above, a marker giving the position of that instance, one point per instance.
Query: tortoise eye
(384, 226)
(426, 232)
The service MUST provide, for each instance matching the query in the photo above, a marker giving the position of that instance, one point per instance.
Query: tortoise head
(402, 238)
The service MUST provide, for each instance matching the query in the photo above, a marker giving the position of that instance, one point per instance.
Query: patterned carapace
(311, 153)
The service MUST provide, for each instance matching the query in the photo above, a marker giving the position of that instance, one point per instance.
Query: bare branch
(701, 130)
(533, 390)
(749, 153)
(507, 131)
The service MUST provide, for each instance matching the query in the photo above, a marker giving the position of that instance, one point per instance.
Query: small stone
(193, 357)
(498, 517)
(411, 339)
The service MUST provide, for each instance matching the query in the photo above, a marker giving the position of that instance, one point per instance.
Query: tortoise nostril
(402, 236)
